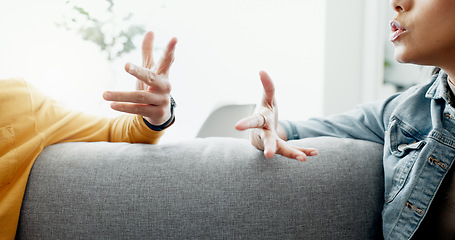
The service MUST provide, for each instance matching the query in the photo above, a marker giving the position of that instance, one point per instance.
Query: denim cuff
(290, 129)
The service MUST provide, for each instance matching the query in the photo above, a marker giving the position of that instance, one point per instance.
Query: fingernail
(132, 68)
(313, 153)
(301, 158)
(114, 105)
(268, 154)
(107, 95)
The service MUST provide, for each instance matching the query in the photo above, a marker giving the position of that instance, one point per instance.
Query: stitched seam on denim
(442, 139)
(400, 178)
(434, 88)
(406, 206)
(408, 128)
(295, 134)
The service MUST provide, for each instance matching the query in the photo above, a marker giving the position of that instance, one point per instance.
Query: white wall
(325, 56)
(354, 49)
(230, 41)
(222, 46)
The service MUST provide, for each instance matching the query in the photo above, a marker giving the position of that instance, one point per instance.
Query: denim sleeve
(367, 122)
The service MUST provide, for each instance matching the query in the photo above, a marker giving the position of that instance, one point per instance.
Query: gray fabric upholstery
(213, 188)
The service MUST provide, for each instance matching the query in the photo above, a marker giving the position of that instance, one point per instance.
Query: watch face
(173, 104)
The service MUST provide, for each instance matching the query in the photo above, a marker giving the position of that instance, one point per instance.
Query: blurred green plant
(112, 34)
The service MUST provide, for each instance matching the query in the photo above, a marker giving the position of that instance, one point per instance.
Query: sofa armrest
(213, 188)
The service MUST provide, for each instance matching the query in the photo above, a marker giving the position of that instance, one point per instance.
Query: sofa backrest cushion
(212, 188)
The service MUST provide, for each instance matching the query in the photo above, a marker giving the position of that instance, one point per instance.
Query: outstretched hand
(152, 97)
(266, 132)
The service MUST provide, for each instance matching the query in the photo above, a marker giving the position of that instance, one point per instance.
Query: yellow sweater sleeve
(56, 123)
(30, 121)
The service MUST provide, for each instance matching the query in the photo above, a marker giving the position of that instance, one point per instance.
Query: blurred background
(325, 56)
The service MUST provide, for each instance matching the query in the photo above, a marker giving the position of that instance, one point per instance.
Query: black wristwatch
(167, 123)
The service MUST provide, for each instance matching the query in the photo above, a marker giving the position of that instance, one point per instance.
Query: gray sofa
(211, 188)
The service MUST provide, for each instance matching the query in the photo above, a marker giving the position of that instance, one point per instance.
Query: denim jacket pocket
(8, 155)
(404, 147)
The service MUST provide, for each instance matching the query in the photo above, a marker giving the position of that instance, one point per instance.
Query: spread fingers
(148, 77)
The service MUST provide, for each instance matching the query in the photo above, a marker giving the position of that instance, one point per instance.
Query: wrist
(166, 124)
(281, 132)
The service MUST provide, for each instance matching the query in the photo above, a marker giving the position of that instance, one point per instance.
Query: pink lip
(396, 31)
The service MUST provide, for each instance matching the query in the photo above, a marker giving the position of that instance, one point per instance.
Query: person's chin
(400, 59)
(412, 59)
(401, 56)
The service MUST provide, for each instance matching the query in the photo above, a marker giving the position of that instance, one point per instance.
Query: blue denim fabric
(416, 128)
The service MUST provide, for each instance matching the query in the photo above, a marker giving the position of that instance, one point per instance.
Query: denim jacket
(416, 128)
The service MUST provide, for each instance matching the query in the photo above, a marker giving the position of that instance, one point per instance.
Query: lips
(396, 31)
